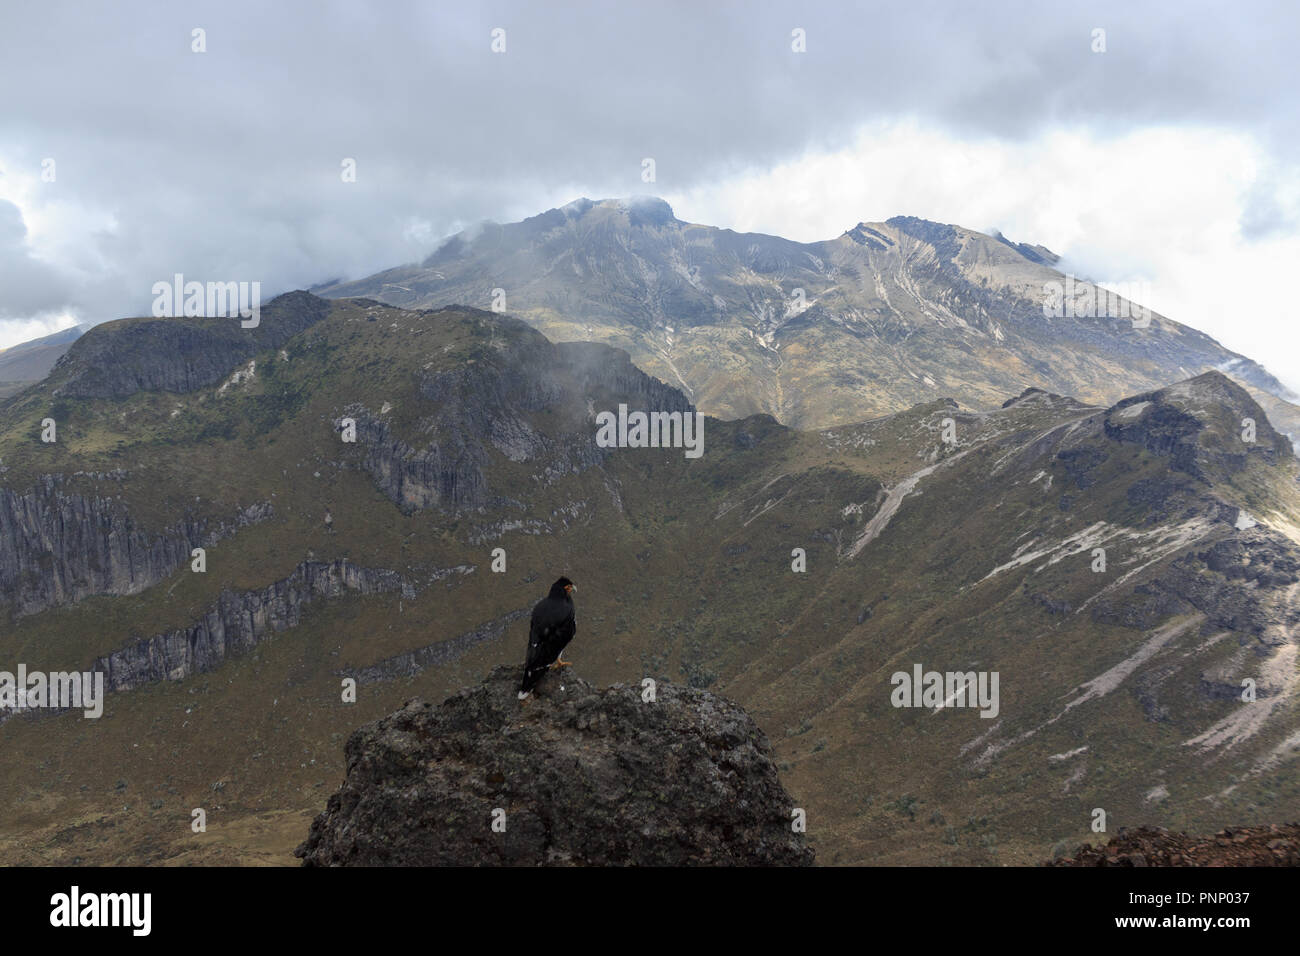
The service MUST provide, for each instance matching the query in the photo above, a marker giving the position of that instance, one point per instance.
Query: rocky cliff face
(59, 547)
(886, 316)
(239, 620)
(577, 776)
(1199, 425)
(117, 359)
(493, 406)
(1244, 583)
(438, 653)
(432, 477)
(1242, 575)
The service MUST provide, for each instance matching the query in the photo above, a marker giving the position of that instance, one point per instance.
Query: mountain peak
(1034, 253)
(640, 210)
(865, 234)
(885, 316)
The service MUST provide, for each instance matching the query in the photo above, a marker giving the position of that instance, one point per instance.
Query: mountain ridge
(960, 539)
(884, 316)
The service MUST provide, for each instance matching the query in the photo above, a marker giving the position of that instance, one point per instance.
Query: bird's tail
(531, 677)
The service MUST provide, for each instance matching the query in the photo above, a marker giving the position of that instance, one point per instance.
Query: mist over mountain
(882, 317)
(521, 437)
(1122, 568)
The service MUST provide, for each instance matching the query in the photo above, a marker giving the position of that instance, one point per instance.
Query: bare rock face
(58, 546)
(490, 407)
(238, 621)
(121, 358)
(584, 776)
(1243, 583)
(1198, 424)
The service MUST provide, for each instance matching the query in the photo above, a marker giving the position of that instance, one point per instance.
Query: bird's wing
(567, 628)
(551, 628)
(536, 637)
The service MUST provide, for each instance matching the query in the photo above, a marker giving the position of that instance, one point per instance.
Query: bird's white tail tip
(523, 694)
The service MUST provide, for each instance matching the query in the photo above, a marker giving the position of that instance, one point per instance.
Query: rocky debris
(1155, 846)
(118, 359)
(864, 235)
(1240, 580)
(239, 620)
(584, 776)
(1141, 609)
(1034, 253)
(1163, 499)
(58, 547)
(941, 236)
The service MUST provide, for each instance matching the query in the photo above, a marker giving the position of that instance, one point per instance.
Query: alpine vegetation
(332, 533)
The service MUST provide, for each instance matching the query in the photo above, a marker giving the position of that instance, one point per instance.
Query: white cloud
(1162, 206)
(16, 331)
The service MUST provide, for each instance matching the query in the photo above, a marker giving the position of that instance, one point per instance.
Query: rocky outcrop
(575, 775)
(118, 359)
(1198, 425)
(434, 477)
(1156, 846)
(1242, 583)
(58, 547)
(239, 620)
(1240, 579)
(1159, 428)
(492, 406)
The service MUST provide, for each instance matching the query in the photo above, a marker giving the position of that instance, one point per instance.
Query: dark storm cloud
(226, 164)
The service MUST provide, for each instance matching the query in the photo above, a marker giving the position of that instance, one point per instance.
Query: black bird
(554, 624)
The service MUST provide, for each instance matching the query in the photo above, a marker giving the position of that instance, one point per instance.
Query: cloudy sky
(1169, 159)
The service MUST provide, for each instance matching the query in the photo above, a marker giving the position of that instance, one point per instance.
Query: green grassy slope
(684, 573)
